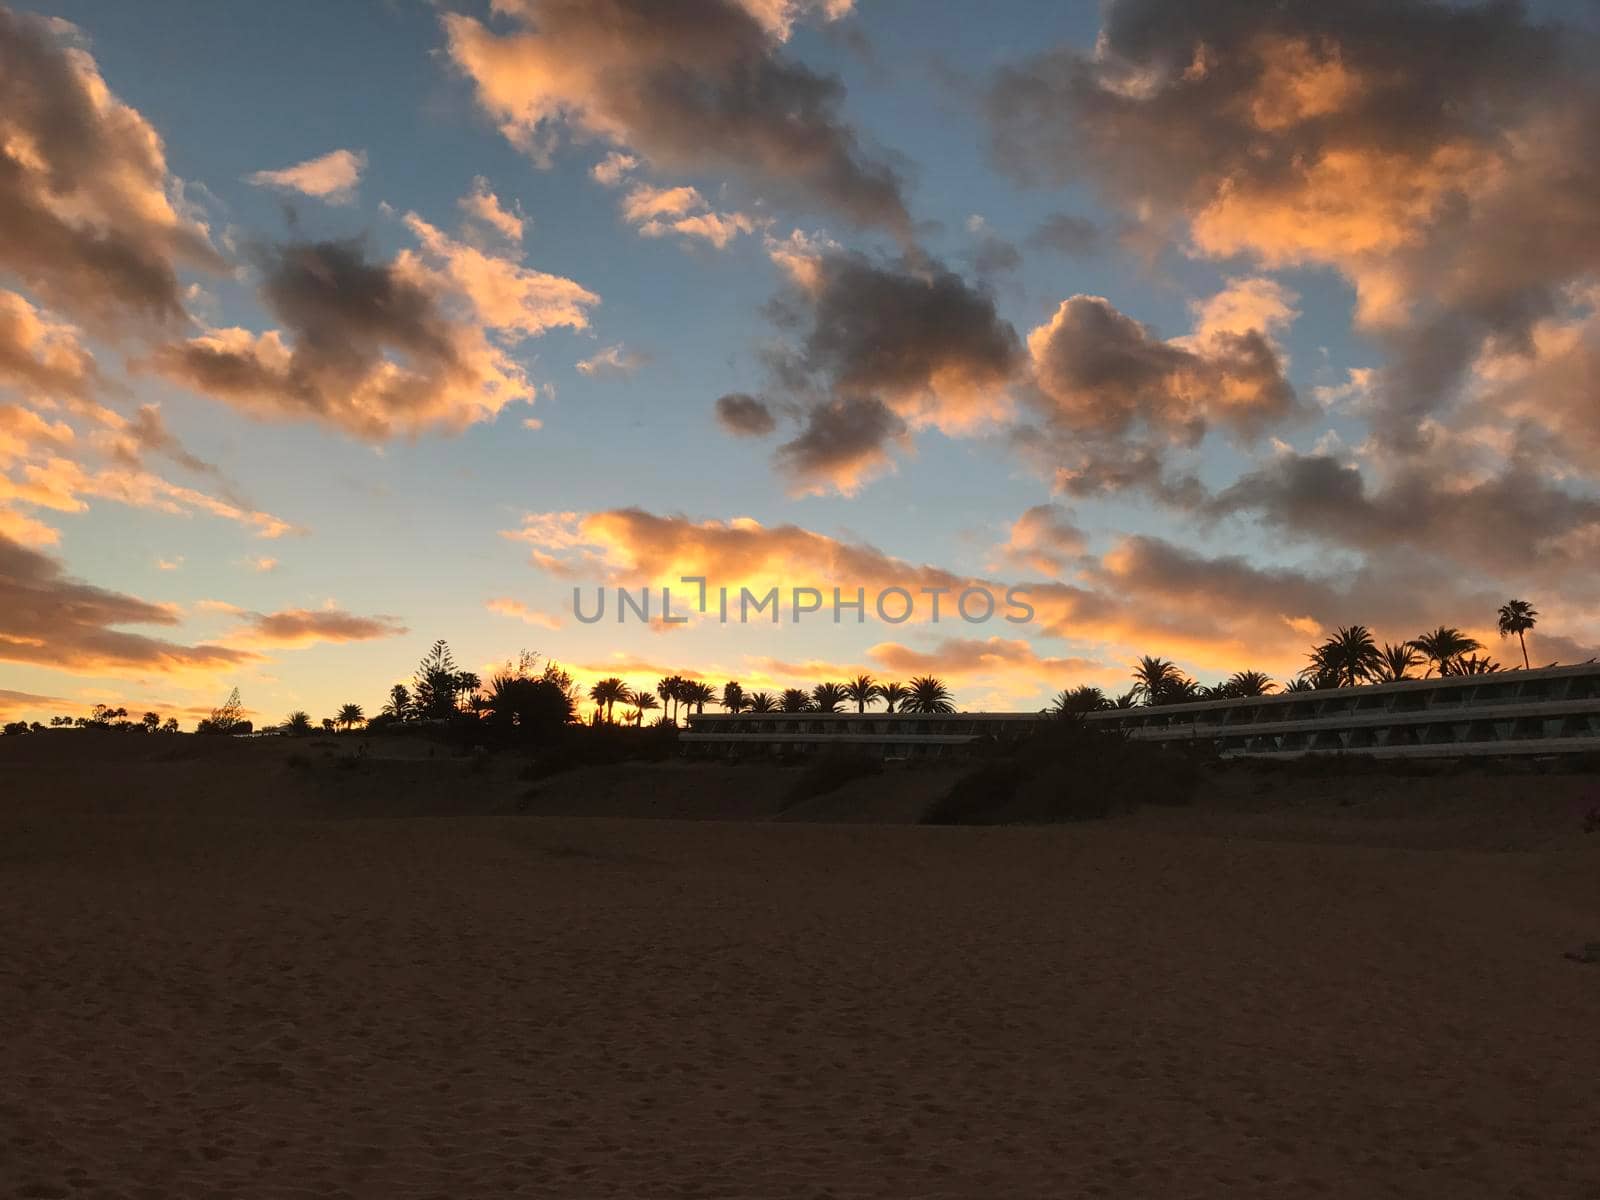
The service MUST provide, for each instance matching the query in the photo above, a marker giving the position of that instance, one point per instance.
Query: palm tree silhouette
(643, 701)
(297, 723)
(1397, 662)
(1473, 665)
(762, 702)
(699, 695)
(893, 694)
(1243, 684)
(1156, 679)
(350, 716)
(1082, 699)
(863, 690)
(607, 692)
(399, 703)
(1349, 657)
(1444, 646)
(929, 695)
(795, 700)
(827, 697)
(733, 697)
(1518, 616)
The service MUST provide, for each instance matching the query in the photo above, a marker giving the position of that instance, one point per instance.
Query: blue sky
(408, 529)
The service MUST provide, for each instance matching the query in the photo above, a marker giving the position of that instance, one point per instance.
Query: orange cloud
(508, 607)
(296, 628)
(333, 177)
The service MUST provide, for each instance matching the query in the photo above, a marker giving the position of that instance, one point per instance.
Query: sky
(1209, 326)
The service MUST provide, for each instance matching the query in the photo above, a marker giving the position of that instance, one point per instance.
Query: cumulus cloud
(1143, 595)
(1045, 540)
(613, 360)
(295, 628)
(90, 218)
(701, 84)
(996, 658)
(744, 415)
(379, 349)
(507, 607)
(663, 211)
(40, 355)
(49, 619)
(485, 212)
(1439, 156)
(333, 177)
(879, 349)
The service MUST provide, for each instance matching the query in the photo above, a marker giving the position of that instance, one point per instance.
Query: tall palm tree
(762, 702)
(827, 697)
(1397, 662)
(1349, 657)
(1443, 646)
(607, 692)
(1518, 616)
(1243, 684)
(1157, 680)
(643, 701)
(929, 695)
(863, 689)
(733, 697)
(893, 694)
(350, 716)
(667, 689)
(794, 700)
(699, 695)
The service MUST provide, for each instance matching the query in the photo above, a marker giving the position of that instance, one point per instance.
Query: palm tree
(893, 693)
(297, 723)
(863, 690)
(762, 702)
(1518, 616)
(733, 697)
(350, 716)
(929, 695)
(1243, 684)
(1397, 662)
(1301, 683)
(399, 704)
(668, 690)
(1082, 699)
(1128, 699)
(1443, 646)
(643, 702)
(794, 700)
(827, 697)
(1157, 680)
(699, 695)
(1473, 665)
(608, 692)
(1349, 657)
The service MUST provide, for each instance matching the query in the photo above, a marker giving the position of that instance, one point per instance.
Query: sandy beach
(202, 998)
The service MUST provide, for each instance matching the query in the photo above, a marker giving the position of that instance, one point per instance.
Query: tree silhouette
(607, 692)
(733, 697)
(1397, 661)
(436, 683)
(795, 700)
(1443, 646)
(762, 702)
(399, 703)
(297, 723)
(1082, 699)
(929, 695)
(827, 697)
(1248, 684)
(1473, 665)
(350, 716)
(528, 708)
(151, 722)
(227, 719)
(1158, 680)
(893, 694)
(1347, 658)
(863, 690)
(1518, 616)
(643, 701)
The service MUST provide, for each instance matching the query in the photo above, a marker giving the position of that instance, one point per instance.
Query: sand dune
(203, 997)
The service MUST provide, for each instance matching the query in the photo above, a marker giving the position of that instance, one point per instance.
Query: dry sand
(205, 995)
